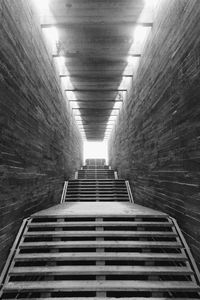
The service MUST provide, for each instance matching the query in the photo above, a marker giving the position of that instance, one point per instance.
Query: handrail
(64, 192)
(187, 251)
(129, 191)
(11, 255)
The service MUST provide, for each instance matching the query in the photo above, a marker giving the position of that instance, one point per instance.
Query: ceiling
(95, 41)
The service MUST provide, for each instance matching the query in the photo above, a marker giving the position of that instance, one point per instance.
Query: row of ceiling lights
(139, 36)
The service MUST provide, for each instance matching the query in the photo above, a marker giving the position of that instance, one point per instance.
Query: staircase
(96, 244)
(97, 190)
(96, 173)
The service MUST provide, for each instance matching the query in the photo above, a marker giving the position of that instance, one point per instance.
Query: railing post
(11, 255)
(129, 191)
(64, 192)
(187, 250)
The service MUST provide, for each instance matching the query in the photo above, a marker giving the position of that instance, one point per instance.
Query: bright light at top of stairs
(95, 150)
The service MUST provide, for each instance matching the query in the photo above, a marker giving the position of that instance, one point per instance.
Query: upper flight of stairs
(97, 183)
(97, 190)
(89, 247)
(96, 173)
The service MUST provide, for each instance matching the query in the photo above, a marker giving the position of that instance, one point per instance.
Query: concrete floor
(98, 208)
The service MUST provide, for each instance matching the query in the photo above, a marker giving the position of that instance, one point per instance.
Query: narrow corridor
(120, 79)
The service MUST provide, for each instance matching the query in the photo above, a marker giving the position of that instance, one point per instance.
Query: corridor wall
(40, 144)
(156, 140)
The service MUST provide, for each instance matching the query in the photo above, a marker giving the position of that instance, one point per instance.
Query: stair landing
(98, 208)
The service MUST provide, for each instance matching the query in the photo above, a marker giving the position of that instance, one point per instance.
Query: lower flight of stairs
(137, 257)
(99, 250)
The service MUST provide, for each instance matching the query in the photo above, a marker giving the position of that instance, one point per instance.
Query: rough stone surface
(40, 144)
(156, 141)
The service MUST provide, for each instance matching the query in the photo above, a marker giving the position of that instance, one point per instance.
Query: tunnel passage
(141, 97)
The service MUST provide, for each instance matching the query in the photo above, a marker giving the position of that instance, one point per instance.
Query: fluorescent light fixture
(68, 83)
(76, 113)
(74, 105)
(117, 105)
(140, 33)
(108, 129)
(42, 6)
(71, 95)
(61, 60)
(124, 82)
(78, 118)
(107, 132)
(112, 118)
(114, 113)
(51, 34)
(132, 59)
(120, 96)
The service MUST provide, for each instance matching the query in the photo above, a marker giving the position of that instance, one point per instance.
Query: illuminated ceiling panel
(96, 47)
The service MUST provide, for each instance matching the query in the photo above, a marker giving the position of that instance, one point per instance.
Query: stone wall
(40, 145)
(156, 140)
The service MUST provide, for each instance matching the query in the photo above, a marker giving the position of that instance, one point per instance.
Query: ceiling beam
(93, 135)
(94, 122)
(100, 101)
(93, 131)
(96, 127)
(95, 115)
(99, 138)
(60, 22)
(95, 90)
(92, 108)
(78, 54)
(99, 126)
(91, 122)
(99, 131)
(96, 73)
(96, 77)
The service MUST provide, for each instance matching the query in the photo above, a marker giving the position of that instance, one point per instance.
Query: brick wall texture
(40, 145)
(156, 140)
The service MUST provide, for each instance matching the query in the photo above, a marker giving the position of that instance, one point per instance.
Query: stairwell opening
(95, 150)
